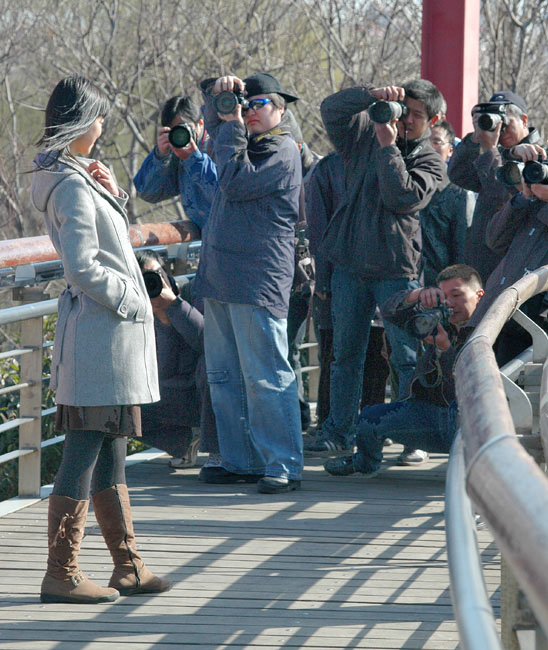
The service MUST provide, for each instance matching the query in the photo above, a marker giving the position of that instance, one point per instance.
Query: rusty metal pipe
(16, 252)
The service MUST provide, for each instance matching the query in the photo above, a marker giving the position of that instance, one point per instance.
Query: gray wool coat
(104, 350)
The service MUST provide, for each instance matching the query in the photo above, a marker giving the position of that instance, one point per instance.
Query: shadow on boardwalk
(343, 563)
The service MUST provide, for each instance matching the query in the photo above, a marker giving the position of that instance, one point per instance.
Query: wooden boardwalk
(343, 563)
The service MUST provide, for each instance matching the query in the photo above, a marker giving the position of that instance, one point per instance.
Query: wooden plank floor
(343, 563)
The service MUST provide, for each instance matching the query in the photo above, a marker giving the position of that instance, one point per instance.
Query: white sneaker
(413, 457)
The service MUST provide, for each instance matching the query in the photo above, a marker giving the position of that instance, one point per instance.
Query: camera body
(180, 135)
(383, 112)
(424, 322)
(226, 101)
(510, 173)
(153, 282)
(514, 172)
(491, 115)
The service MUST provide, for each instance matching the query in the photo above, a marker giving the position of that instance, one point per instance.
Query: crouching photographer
(427, 416)
(184, 393)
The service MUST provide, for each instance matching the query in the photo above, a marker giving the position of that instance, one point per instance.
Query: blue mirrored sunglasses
(256, 104)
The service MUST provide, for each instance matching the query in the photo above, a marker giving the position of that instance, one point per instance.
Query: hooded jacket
(104, 350)
(476, 171)
(376, 233)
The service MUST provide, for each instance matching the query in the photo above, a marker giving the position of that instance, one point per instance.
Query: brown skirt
(114, 420)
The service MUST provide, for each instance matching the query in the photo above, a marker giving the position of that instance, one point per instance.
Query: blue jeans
(353, 303)
(414, 423)
(253, 390)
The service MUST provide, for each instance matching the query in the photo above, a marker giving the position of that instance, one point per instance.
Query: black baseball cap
(509, 97)
(263, 83)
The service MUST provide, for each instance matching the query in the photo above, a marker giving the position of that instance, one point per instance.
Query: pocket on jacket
(217, 376)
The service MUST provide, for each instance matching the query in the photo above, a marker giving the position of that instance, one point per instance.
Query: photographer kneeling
(427, 419)
(184, 392)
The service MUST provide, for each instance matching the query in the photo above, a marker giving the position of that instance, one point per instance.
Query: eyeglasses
(256, 104)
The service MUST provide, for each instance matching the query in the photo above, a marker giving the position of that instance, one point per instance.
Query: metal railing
(505, 484)
(23, 265)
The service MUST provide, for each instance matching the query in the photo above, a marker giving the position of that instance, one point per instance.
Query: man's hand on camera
(528, 152)
(428, 297)
(185, 152)
(162, 141)
(441, 340)
(540, 191)
(231, 84)
(486, 139)
(389, 93)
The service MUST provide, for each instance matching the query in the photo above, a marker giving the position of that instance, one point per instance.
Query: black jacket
(375, 233)
(476, 171)
(433, 378)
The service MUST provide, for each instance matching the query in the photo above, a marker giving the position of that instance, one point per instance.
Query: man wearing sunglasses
(245, 280)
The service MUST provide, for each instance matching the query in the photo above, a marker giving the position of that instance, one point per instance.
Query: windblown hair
(73, 107)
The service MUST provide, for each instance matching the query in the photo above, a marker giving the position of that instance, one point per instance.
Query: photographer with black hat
(499, 124)
(245, 280)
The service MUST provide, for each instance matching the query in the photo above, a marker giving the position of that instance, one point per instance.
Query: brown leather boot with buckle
(113, 514)
(64, 582)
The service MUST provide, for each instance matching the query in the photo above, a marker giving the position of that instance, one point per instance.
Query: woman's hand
(103, 176)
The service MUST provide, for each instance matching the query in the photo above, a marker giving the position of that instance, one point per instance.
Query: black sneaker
(277, 484)
(221, 475)
(344, 466)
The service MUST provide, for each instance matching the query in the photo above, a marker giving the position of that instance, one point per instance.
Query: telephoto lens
(180, 135)
(510, 173)
(489, 121)
(153, 283)
(535, 172)
(225, 102)
(383, 112)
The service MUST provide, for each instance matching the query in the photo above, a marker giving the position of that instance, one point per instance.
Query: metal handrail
(473, 611)
(505, 484)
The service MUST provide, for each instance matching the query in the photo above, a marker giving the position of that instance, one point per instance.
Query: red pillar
(450, 55)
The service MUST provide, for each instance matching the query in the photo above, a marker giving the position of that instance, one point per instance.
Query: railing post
(30, 434)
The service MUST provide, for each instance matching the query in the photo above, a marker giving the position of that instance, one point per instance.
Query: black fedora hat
(263, 83)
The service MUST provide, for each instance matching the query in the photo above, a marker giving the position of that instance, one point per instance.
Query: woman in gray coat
(104, 362)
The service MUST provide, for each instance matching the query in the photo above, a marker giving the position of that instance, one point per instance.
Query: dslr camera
(226, 101)
(383, 112)
(491, 115)
(424, 322)
(514, 173)
(180, 135)
(153, 282)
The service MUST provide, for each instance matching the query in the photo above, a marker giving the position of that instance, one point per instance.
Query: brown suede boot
(64, 582)
(113, 514)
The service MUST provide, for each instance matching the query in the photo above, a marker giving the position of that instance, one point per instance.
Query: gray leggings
(92, 462)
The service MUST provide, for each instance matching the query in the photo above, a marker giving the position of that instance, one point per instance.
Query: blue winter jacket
(248, 250)
(194, 179)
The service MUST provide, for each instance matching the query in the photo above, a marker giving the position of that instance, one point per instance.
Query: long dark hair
(73, 107)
